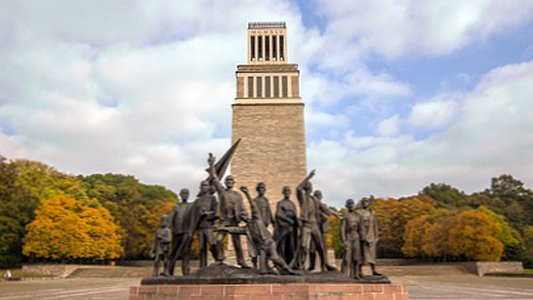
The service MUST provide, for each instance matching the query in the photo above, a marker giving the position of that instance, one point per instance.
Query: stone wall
(270, 291)
(483, 267)
(272, 149)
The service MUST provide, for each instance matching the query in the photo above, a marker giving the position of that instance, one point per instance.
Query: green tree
(444, 194)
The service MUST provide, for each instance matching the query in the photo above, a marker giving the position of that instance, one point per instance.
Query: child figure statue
(161, 247)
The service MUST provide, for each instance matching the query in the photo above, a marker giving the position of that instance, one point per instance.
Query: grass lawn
(528, 271)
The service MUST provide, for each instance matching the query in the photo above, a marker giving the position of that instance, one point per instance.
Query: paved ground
(466, 287)
(424, 282)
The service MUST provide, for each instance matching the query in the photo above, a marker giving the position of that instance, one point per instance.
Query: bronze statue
(286, 226)
(161, 246)
(370, 237)
(261, 238)
(324, 228)
(262, 203)
(182, 231)
(310, 215)
(204, 214)
(231, 210)
(351, 232)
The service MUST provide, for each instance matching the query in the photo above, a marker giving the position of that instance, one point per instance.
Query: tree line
(442, 223)
(49, 215)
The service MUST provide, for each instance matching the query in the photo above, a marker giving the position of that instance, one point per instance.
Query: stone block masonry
(271, 291)
(272, 149)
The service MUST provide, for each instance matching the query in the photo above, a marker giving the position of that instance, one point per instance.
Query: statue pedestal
(270, 291)
(221, 281)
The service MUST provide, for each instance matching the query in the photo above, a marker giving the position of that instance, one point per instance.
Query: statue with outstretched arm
(310, 210)
(231, 210)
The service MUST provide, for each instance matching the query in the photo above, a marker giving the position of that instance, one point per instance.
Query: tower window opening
(281, 48)
(267, 87)
(259, 87)
(260, 47)
(267, 47)
(276, 86)
(250, 87)
(284, 87)
(274, 48)
(252, 47)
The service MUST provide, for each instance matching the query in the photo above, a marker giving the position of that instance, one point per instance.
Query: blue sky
(398, 94)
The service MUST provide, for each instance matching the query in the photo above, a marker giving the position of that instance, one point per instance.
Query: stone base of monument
(270, 291)
(228, 282)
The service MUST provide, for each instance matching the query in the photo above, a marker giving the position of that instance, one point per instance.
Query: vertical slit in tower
(250, 87)
(281, 48)
(267, 47)
(260, 47)
(274, 48)
(252, 46)
(267, 86)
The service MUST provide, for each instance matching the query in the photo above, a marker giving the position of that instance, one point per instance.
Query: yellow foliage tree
(474, 237)
(67, 229)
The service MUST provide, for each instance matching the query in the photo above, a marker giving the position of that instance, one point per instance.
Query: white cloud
(399, 28)
(490, 136)
(434, 114)
(388, 126)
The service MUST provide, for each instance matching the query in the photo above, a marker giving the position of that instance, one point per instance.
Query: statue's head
(286, 191)
(261, 188)
(308, 186)
(350, 205)
(164, 221)
(229, 182)
(184, 195)
(365, 203)
(204, 187)
(318, 194)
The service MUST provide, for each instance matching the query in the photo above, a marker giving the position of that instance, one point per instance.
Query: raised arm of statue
(306, 179)
(253, 205)
(216, 181)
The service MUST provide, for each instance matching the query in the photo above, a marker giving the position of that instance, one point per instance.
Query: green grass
(528, 271)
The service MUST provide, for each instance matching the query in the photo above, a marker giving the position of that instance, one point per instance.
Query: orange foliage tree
(393, 215)
(68, 229)
(474, 237)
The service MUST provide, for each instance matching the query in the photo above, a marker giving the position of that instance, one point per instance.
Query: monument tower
(268, 115)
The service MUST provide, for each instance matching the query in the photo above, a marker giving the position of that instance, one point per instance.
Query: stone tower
(268, 115)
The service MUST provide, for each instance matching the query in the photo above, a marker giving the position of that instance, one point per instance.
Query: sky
(398, 94)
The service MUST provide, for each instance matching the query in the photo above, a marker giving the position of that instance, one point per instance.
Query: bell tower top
(267, 43)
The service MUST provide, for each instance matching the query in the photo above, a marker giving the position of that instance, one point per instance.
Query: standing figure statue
(204, 215)
(161, 246)
(182, 231)
(231, 211)
(264, 209)
(324, 229)
(286, 226)
(311, 233)
(370, 237)
(351, 232)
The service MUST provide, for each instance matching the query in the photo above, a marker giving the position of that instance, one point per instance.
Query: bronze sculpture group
(291, 249)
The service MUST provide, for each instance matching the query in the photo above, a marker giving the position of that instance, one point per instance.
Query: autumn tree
(136, 207)
(24, 185)
(428, 235)
(475, 237)
(393, 216)
(67, 229)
